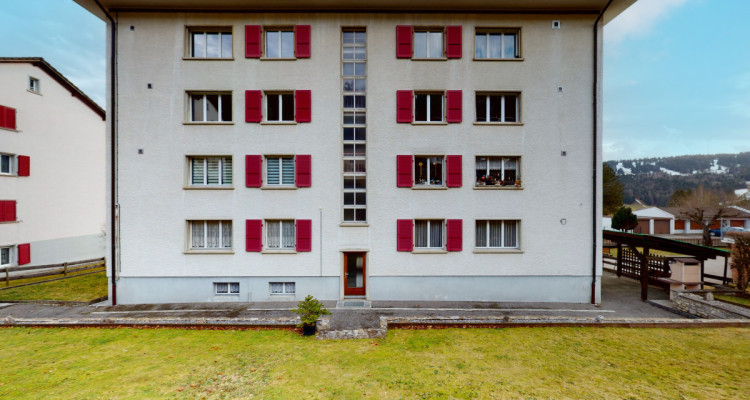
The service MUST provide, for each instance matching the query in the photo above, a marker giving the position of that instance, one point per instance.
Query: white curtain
(288, 239)
(213, 232)
(197, 234)
(273, 234)
(420, 233)
(496, 233)
(511, 234)
(226, 234)
(481, 234)
(436, 233)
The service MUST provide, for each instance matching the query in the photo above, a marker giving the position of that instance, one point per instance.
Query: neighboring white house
(52, 166)
(667, 220)
(429, 150)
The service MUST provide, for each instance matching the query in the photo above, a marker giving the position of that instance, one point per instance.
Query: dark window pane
(361, 199)
(361, 182)
(361, 214)
(420, 107)
(348, 199)
(226, 107)
(360, 118)
(420, 170)
(360, 166)
(212, 107)
(287, 107)
(510, 108)
(359, 102)
(348, 118)
(481, 108)
(272, 107)
(348, 133)
(348, 182)
(348, 150)
(348, 214)
(436, 107)
(361, 133)
(348, 85)
(495, 108)
(348, 165)
(348, 101)
(360, 150)
(197, 107)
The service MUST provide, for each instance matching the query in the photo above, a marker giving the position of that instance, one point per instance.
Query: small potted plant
(309, 310)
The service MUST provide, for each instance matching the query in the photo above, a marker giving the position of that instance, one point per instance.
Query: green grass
(520, 363)
(743, 301)
(78, 288)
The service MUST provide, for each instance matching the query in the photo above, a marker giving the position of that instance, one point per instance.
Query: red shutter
(302, 41)
(303, 105)
(10, 118)
(453, 166)
(7, 210)
(2, 116)
(404, 35)
(454, 229)
(404, 235)
(24, 164)
(453, 105)
(253, 235)
(253, 106)
(304, 234)
(252, 41)
(404, 105)
(453, 41)
(253, 170)
(303, 170)
(24, 253)
(404, 177)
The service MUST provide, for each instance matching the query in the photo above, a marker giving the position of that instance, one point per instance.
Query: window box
(209, 107)
(428, 43)
(277, 43)
(429, 235)
(209, 43)
(496, 171)
(498, 108)
(497, 234)
(497, 44)
(209, 235)
(210, 171)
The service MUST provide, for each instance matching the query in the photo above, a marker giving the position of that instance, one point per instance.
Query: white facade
(60, 203)
(552, 142)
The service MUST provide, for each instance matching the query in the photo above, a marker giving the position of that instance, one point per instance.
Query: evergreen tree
(624, 219)
(612, 190)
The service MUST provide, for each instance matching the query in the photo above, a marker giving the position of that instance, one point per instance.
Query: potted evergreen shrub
(309, 310)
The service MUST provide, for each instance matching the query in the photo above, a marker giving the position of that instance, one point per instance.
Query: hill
(653, 180)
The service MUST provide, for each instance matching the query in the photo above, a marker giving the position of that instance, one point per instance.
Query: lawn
(77, 288)
(514, 363)
(743, 301)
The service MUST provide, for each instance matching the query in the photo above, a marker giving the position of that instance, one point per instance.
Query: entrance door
(354, 274)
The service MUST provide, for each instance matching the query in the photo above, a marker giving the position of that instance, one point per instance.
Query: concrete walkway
(621, 305)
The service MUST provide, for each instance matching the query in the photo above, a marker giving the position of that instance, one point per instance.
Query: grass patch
(742, 301)
(78, 288)
(521, 363)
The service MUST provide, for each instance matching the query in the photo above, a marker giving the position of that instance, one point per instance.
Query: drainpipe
(595, 215)
(113, 153)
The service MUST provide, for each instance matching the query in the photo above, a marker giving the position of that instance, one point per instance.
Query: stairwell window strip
(354, 87)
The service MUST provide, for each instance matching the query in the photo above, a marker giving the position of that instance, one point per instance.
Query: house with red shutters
(52, 167)
(379, 150)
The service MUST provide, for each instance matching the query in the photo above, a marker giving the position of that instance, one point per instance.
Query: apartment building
(52, 167)
(426, 151)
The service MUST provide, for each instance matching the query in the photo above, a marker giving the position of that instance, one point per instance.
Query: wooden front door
(354, 274)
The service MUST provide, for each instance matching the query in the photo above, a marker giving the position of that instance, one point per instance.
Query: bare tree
(704, 207)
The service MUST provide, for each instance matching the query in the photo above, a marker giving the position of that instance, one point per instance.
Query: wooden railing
(65, 269)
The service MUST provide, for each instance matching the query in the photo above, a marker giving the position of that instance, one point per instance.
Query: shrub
(309, 310)
(741, 258)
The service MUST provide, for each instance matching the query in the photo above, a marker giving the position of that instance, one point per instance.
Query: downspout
(595, 214)
(113, 152)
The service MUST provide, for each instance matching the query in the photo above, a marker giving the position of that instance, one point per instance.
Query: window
(497, 44)
(210, 107)
(6, 164)
(34, 85)
(227, 287)
(428, 44)
(280, 107)
(498, 171)
(428, 170)
(280, 43)
(210, 171)
(428, 233)
(282, 287)
(497, 234)
(210, 43)
(210, 235)
(280, 235)
(5, 256)
(280, 171)
(497, 107)
(428, 107)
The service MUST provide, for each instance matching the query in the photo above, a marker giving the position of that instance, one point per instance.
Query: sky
(676, 72)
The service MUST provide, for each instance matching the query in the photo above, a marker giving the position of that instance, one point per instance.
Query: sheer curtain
(496, 233)
(420, 233)
(226, 234)
(213, 231)
(481, 234)
(273, 233)
(436, 233)
(287, 239)
(197, 234)
(511, 234)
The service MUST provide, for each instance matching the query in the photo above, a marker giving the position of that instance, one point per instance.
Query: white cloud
(639, 19)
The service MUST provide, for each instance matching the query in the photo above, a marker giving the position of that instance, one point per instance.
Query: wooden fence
(66, 268)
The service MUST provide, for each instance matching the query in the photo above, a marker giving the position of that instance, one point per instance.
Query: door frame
(354, 291)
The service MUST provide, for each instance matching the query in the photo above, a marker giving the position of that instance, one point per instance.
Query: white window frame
(222, 164)
(12, 164)
(34, 85)
(281, 159)
(503, 160)
(428, 37)
(9, 250)
(430, 95)
(280, 99)
(223, 223)
(221, 31)
(287, 288)
(281, 222)
(503, 99)
(498, 31)
(280, 31)
(430, 171)
(220, 110)
(232, 288)
(502, 234)
(430, 246)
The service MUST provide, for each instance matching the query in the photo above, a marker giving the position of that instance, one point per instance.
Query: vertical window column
(354, 88)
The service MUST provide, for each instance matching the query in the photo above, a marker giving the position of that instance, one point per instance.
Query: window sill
(430, 59)
(429, 251)
(8, 175)
(491, 187)
(278, 187)
(498, 59)
(207, 123)
(498, 251)
(429, 123)
(498, 123)
(34, 91)
(208, 187)
(355, 224)
(270, 251)
(278, 123)
(428, 187)
(278, 58)
(10, 222)
(8, 129)
(207, 59)
(208, 252)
